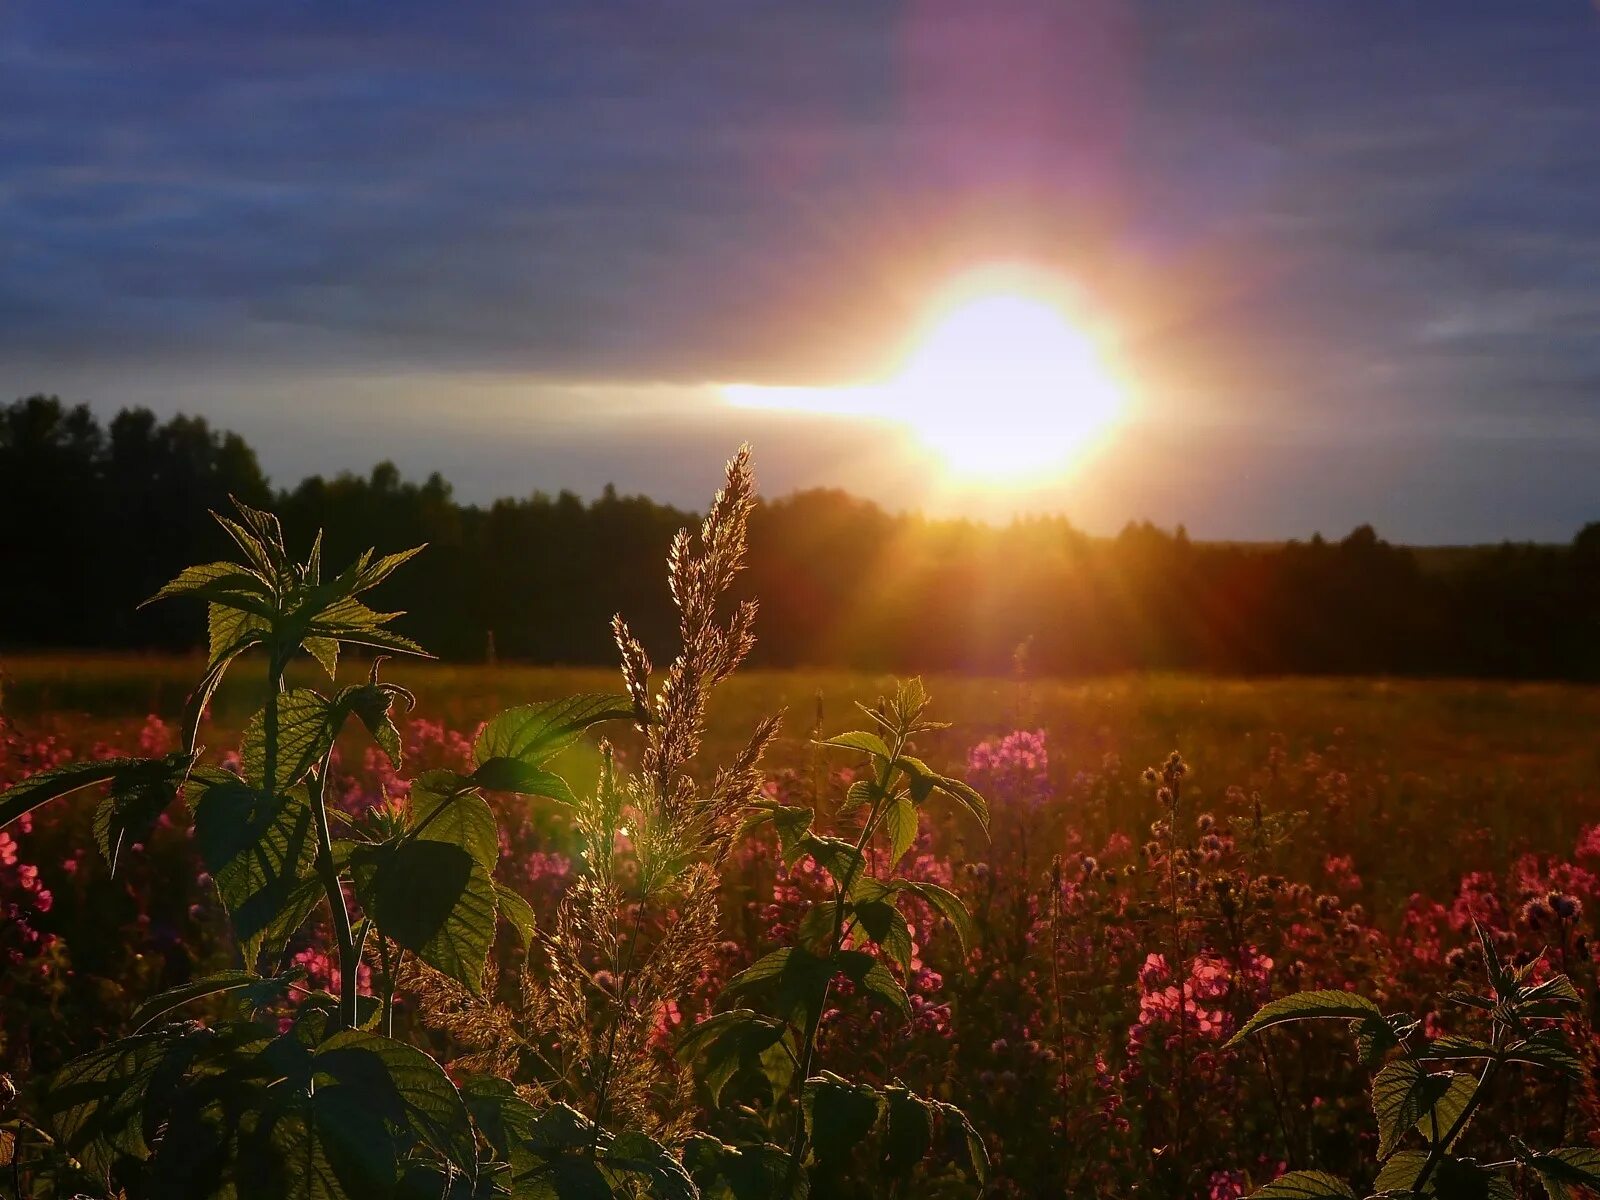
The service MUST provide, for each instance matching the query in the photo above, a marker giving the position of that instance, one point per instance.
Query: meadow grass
(1516, 762)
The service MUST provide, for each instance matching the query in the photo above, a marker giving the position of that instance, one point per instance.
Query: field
(1364, 823)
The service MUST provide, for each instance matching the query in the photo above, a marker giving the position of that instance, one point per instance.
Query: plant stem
(328, 870)
(797, 1140)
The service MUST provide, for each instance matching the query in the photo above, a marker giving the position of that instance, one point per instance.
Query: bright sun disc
(1001, 385)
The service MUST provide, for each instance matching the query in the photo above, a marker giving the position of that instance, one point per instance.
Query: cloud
(1295, 213)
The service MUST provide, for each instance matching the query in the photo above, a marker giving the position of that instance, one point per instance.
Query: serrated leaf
(433, 898)
(900, 821)
(839, 1114)
(1400, 1172)
(885, 925)
(946, 903)
(444, 809)
(1305, 1185)
(1402, 1095)
(535, 733)
(261, 850)
(860, 794)
(871, 976)
(859, 739)
(1307, 1006)
(1564, 1169)
(95, 1104)
(500, 1114)
(194, 706)
(1449, 1109)
(837, 857)
(726, 1041)
(373, 705)
(791, 823)
(227, 582)
(910, 1130)
(634, 1153)
(326, 652)
(42, 786)
(255, 988)
(753, 1172)
(306, 727)
(517, 912)
(405, 1086)
(501, 774)
(127, 817)
(1548, 1048)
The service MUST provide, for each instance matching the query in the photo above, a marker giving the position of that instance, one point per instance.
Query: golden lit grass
(1517, 761)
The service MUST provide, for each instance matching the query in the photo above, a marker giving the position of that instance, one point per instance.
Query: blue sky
(1350, 249)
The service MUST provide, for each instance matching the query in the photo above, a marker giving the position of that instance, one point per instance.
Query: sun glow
(998, 382)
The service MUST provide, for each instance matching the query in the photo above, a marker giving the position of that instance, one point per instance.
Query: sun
(998, 381)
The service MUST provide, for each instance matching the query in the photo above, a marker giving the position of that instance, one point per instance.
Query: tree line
(95, 516)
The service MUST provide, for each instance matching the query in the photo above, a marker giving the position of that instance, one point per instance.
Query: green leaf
(839, 1114)
(535, 733)
(795, 977)
(25, 796)
(1306, 1006)
(371, 575)
(194, 706)
(924, 781)
(307, 726)
(869, 974)
(900, 820)
(443, 810)
(138, 796)
(140, 789)
(1403, 1096)
(405, 1086)
(256, 989)
(910, 1131)
(946, 903)
(836, 856)
(95, 1104)
(1548, 1048)
(502, 774)
(373, 705)
(435, 899)
(261, 850)
(860, 739)
(726, 1041)
(860, 794)
(1305, 1185)
(1567, 1168)
(754, 1172)
(500, 1114)
(885, 925)
(977, 1155)
(1400, 1172)
(225, 582)
(1450, 1108)
(633, 1153)
(517, 912)
(326, 652)
(227, 625)
(792, 823)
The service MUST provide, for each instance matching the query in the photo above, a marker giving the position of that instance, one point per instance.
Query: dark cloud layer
(1309, 220)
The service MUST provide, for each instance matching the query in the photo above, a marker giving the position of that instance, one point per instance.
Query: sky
(1344, 253)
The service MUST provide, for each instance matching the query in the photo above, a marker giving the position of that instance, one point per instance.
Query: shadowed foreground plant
(1430, 1090)
(803, 1127)
(570, 1088)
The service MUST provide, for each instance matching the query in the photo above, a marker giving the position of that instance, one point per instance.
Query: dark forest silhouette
(96, 517)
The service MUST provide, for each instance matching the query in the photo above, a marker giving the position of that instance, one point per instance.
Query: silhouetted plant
(1420, 1094)
(566, 1091)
